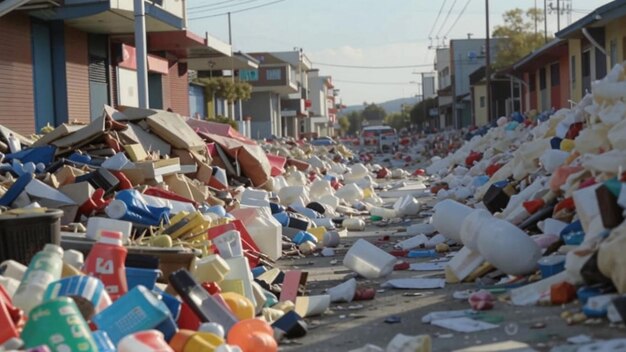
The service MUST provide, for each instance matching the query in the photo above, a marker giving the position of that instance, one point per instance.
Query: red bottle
(106, 262)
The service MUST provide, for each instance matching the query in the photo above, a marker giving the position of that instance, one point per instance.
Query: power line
(445, 20)
(210, 5)
(238, 11)
(371, 67)
(443, 4)
(222, 7)
(458, 17)
(373, 83)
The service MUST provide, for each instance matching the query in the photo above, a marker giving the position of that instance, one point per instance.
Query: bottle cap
(53, 248)
(111, 237)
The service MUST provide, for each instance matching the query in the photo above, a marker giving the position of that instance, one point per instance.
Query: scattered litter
(415, 283)
(463, 324)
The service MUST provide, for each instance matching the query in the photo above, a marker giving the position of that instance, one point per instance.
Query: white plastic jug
(383, 212)
(264, 229)
(330, 200)
(448, 218)
(508, 248)
(291, 194)
(407, 205)
(368, 260)
(471, 227)
(353, 224)
(350, 193)
(320, 188)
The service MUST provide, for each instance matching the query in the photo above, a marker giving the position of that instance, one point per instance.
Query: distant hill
(390, 106)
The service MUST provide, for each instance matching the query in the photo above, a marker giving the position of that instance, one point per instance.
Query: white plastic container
(44, 268)
(350, 193)
(330, 200)
(368, 260)
(324, 222)
(331, 239)
(95, 225)
(308, 306)
(212, 268)
(470, 228)
(320, 188)
(11, 268)
(264, 229)
(241, 274)
(229, 244)
(74, 258)
(412, 242)
(291, 194)
(343, 292)
(255, 198)
(508, 248)
(384, 212)
(448, 218)
(353, 224)
(407, 205)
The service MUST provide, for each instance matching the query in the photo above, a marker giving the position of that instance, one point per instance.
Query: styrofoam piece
(412, 242)
(368, 260)
(96, 225)
(448, 218)
(344, 292)
(530, 294)
(463, 264)
(308, 306)
(240, 271)
(11, 268)
(470, 228)
(499, 241)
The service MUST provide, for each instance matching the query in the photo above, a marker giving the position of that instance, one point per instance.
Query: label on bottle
(40, 278)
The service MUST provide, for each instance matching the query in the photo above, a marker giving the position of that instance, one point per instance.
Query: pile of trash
(144, 230)
(539, 206)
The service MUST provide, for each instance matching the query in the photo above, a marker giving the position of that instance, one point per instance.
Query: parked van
(381, 138)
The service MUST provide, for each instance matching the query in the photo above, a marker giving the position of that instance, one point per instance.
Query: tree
(373, 112)
(420, 111)
(398, 120)
(344, 123)
(520, 37)
(356, 121)
(226, 89)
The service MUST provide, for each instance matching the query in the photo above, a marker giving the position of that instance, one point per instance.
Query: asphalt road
(348, 326)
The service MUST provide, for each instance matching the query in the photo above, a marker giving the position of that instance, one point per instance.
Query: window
(249, 75)
(573, 71)
(273, 74)
(532, 82)
(542, 78)
(482, 102)
(586, 63)
(613, 52)
(555, 75)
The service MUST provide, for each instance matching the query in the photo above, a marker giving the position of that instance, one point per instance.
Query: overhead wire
(445, 20)
(237, 11)
(209, 5)
(458, 17)
(223, 7)
(443, 4)
(371, 67)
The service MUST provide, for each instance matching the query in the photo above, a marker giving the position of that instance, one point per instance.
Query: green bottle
(59, 325)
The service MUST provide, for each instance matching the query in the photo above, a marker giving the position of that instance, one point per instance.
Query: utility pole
(232, 68)
(545, 21)
(535, 18)
(488, 62)
(558, 15)
(142, 63)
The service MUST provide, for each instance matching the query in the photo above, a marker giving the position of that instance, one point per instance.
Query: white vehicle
(381, 138)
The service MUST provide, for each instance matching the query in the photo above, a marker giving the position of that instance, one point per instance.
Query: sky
(361, 33)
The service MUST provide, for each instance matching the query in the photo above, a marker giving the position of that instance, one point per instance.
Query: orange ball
(253, 335)
(240, 305)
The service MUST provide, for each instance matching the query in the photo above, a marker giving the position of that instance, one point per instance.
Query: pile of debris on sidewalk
(144, 230)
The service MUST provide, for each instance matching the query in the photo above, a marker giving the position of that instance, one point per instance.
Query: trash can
(22, 235)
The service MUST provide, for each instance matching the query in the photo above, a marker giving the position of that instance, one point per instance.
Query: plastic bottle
(106, 262)
(44, 268)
